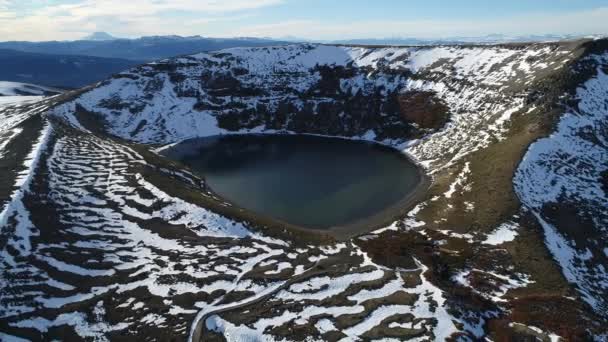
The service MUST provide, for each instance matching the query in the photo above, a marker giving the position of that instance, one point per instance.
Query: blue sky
(312, 19)
(428, 9)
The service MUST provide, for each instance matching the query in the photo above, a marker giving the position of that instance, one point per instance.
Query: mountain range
(74, 64)
(63, 71)
(455, 40)
(140, 49)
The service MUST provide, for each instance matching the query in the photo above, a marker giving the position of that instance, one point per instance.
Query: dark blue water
(309, 181)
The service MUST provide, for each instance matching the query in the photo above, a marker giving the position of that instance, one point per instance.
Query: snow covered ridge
(24, 89)
(346, 91)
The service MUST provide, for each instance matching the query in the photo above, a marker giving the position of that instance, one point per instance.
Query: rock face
(103, 239)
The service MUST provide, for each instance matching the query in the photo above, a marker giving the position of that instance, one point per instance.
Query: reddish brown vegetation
(423, 109)
(396, 250)
(552, 314)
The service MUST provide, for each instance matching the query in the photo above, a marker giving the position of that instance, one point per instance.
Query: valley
(105, 238)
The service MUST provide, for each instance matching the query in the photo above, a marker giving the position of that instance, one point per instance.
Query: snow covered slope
(103, 239)
(24, 89)
(563, 179)
(348, 91)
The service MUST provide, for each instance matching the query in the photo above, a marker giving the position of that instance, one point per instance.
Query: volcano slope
(104, 239)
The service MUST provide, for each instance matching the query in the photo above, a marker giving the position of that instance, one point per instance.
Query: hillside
(64, 71)
(25, 89)
(140, 49)
(104, 239)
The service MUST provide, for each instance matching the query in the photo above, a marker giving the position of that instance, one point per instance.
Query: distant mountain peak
(99, 36)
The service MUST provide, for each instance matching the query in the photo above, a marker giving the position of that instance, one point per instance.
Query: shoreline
(385, 217)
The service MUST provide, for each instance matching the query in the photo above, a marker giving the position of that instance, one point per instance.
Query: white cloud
(121, 17)
(139, 8)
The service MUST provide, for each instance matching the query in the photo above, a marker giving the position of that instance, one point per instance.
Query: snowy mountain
(461, 40)
(99, 36)
(25, 89)
(12, 93)
(102, 238)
